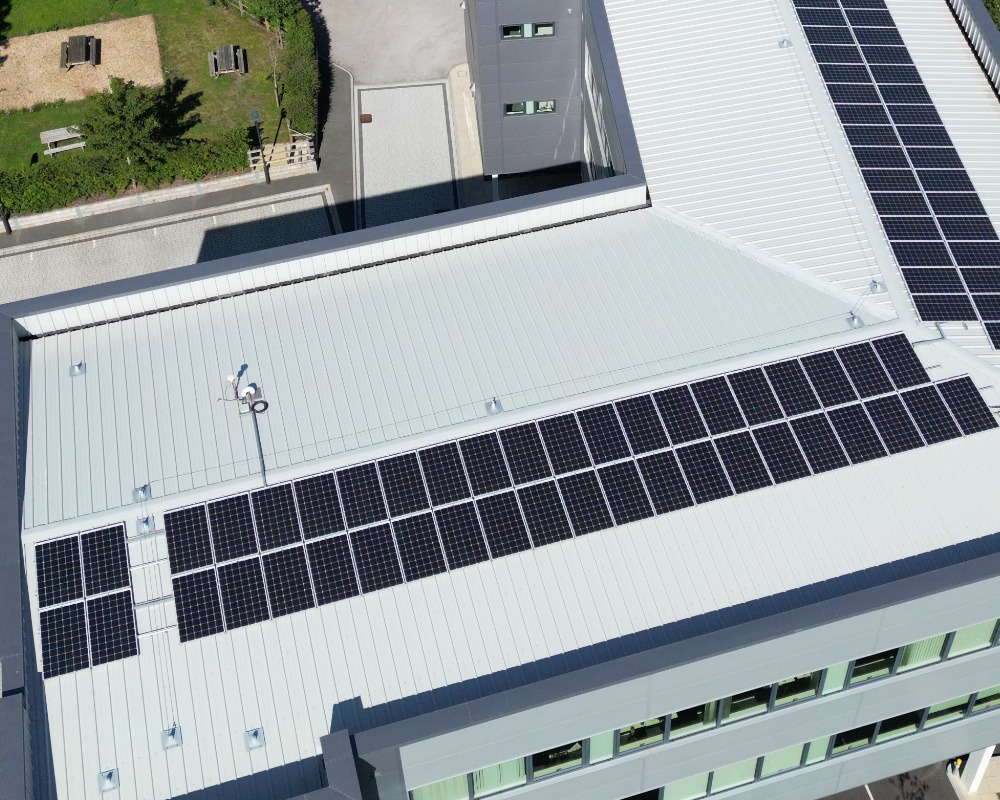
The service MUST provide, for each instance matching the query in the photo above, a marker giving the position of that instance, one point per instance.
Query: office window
(876, 666)
(602, 747)
(687, 789)
(782, 760)
(988, 698)
(745, 704)
(451, 789)
(511, 31)
(899, 726)
(734, 775)
(974, 637)
(947, 711)
(835, 677)
(499, 777)
(692, 720)
(926, 651)
(816, 750)
(853, 739)
(513, 109)
(790, 690)
(641, 734)
(543, 29)
(557, 759)
(545, 106)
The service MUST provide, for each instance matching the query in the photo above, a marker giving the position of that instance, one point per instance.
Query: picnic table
(78, 50)
(52, 138)
(228, 58)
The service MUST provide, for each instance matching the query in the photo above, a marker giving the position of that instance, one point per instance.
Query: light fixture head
(877, 287)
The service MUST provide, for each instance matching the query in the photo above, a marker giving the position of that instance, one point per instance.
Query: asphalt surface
(926, 783)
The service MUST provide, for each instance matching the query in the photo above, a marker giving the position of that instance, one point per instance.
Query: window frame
(505, 38)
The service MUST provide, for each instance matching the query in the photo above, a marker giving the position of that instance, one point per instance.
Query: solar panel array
(87, 615)
(944, 242)
(375, 525)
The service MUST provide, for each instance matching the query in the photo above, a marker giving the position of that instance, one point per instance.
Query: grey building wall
(601, 155)
(545, 68)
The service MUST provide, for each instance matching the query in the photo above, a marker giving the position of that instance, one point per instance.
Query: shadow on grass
(177, 112)
(4, 25)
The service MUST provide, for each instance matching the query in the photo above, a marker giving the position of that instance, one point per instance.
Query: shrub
(300, 72)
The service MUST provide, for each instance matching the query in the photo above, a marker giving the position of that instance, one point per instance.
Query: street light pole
(260, 143)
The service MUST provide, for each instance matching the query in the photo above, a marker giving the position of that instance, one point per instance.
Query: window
(791, 690)
(745, 704)
(450, 789)
(511, 31)
(692, 720)
(988, 698)
(876, 666)
(513, 109)
(641, 734)
(602, 747)
(545, 106)
(853, 739)
(946, 712)
(835, 677)
(557, 759)
(528, 30)
(734, 775)
(817, 749)
(499, 777)
(926, 651)
(687, 789)
(975, 637)
(789, 758)
(543, 29)
(529, 107)
(899, 726)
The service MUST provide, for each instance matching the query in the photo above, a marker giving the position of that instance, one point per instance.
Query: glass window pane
(853, 739)
(745, 704)
(450, 789)
(557, 759)
(545, 28)
(899, 726)
(975, 637)
(687, 789)
(602, 746)
(875, 666)
(816, 749)
(692, 720)
(800, 687)
(789, 758)
(545, 106)
(835, 677)
(511, 109)
(734, 775)
(641, 734)
(946, 711)
(511, 31)
(926, 651)
(987, 698)
(499, 777)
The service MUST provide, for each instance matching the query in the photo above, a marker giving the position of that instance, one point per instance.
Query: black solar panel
(890, 73)
(931, 414)
(819, 443)
(881, 157)
(188, 543)
(814, 16)
(105, 560)
(332, 569)
(564, 443)
(287, 579)
(525, 455)
(544, 514)
(319, 507)
(461, 535)
(871, 135)
(375, 558)
(403, 484)
(888, 180)
(717, 404)
(894, 424)
(625, 492)
(502, 523)
(961, 203)
(976, 254)
(642, 424)
(933, 280)
(903, 93)
(993, 333)
(901, 361)
(864, 17)
(604, 434)
(792, 387)
(444, 473)
(484, 463)
(241, 585)
(274, 513)
(755, 396)
(232, 527)
(837, 54)
(64, 640)
(58, 571)
(910, 228)
(934, 157)
(111, 623)
(743, 462)
(361, 495)
(857, 433)
(988, 306)
(914, 115)
(704, 472)
(419, 547)
(863, 115)
(680, 414)
(924, 136)
(864, 369)
(982, 279)
(945, 180)
(875, 54)
(829, 379)
(900, 203)
(967, 405)
(855, 93)
(585, 503)
(828, 35)
(966, 228)
(885, 36)
(844, 73)
(196, 599)
(781, 452)
(665, 482)
(944, 307)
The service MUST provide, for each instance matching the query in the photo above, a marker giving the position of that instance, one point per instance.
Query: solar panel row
(935, 222)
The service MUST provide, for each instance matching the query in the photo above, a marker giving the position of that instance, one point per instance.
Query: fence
(300, 150)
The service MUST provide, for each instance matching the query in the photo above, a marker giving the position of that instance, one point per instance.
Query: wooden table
(78, 50)
(228, 58)
(52, 138)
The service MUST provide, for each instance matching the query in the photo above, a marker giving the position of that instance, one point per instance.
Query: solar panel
(903, 93)
(64, 640)
(883, 157)
(232, 527)
(625, 493)
(642, 424)
(781, 452)
(287, 579)
(876, 54)
(828, 35)
(894, 424)
(914, 115)
(966, 228)
(814, 16)
(924, 136)
(865, 17)
(704, 472)
(844, 73)
(403, 484)
(988, 306)
(884, 36)
(863, 115)
(755, 396)
(864, 369)
(933, 280)
(665, 482)
(944, 307)
(717, 404)
(901, 361)
(484, 463)
(461, 535)
(544, 514)
(196, 599)
(188, 543)
(680, 414)
(111, 624)
(58, 571)
(375, 558)
(857, 434)
(945, 180)
(332, 569)
(837, 54)
(982, 279)
(871, 135)
(931, 414)
(829, 379)
(792, 387)
(967, 405)
(105, 560)
(502, 523)
(361, 495)
(819, 443)
(274, 513)
(241, 585)
(525, 455)
(910, 228)
(564, 443)
(962, 203)
(889, 180)
(603, 434)
(993, 333)
(856, 93)
(900, 203)
(976, 254)
(934, 158)
(743, 462)
(444, 473)
(890, 73)
(585, 503)
(319, 506)
(419, 547)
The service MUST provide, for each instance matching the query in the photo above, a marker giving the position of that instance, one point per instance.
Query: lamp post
(255, 117)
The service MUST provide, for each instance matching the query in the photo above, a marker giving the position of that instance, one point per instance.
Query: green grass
(187, 31)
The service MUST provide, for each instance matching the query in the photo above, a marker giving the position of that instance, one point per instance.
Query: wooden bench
(52, 138)
(78, 50)
(228, 58)
(51, 151)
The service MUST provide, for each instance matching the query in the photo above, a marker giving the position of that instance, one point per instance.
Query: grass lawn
(187, 31)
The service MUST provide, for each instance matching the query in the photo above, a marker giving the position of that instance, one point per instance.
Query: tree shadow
(176, 112)
(4, 25)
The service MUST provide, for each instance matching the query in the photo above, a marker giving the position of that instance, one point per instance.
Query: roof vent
(254, 738)
(784, 42)
(854, 321)
(107, 780)
(171, 737)
(79, 368)
(877, 287)
(140, 493)
(493, 406)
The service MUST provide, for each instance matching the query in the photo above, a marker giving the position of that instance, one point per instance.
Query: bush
(300, 72)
